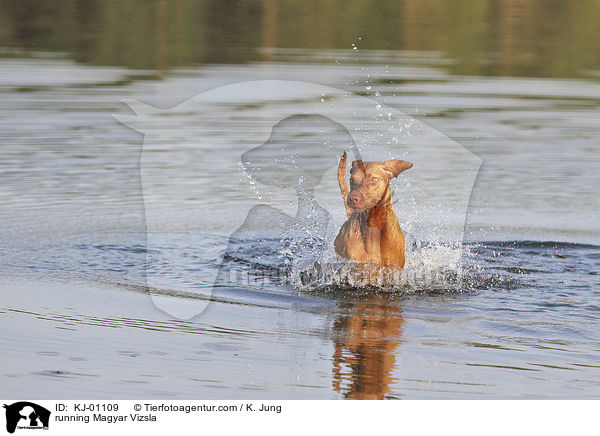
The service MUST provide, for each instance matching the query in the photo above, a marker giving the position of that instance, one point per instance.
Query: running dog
(372, 233)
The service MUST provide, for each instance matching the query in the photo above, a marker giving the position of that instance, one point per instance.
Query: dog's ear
(395, 167)
(358, 164)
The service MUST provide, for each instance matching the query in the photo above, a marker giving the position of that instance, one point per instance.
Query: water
(527, 328)
(515, 314)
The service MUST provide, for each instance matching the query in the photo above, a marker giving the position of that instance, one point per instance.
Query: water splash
(430, 268)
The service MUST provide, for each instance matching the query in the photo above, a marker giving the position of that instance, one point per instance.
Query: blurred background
(540, 38)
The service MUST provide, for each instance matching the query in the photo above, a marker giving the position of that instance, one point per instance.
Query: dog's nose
(354, 198)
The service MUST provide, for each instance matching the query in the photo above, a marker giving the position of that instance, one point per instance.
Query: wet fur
(372, 233)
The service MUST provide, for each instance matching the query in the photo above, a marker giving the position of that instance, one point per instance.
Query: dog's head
(369, 182)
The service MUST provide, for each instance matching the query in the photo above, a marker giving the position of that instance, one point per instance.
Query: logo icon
(26, 415)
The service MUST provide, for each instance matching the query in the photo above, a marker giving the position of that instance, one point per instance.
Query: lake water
(118, 248)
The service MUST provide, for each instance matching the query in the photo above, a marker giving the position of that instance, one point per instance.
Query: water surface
(76, 310)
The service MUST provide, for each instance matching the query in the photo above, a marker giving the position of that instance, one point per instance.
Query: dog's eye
(374, 180)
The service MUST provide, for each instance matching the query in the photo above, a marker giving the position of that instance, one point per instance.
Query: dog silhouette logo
(26, 415)
(240, 185)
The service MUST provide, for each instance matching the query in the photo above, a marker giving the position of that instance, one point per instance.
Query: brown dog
(372, 233)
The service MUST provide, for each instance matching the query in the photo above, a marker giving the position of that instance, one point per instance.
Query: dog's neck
(380, 215)
(383, 210)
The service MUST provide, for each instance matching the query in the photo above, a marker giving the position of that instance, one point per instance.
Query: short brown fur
(372, 233)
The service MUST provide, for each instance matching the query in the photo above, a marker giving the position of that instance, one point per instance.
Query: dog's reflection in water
(365, 342)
